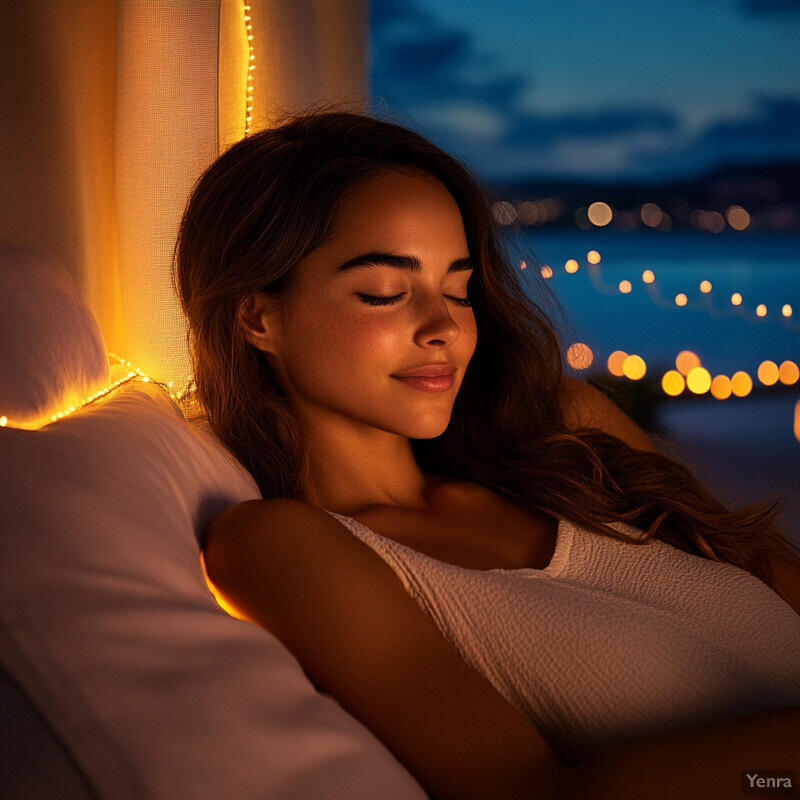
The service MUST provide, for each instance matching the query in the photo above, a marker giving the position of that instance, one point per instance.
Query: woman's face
(377, 331)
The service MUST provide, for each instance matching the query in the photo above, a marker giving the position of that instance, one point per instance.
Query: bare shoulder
(293, 569)
(587, 407)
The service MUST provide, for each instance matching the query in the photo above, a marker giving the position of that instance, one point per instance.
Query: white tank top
(611, 640)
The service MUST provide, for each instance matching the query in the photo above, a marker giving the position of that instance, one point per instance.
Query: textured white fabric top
(611, 640)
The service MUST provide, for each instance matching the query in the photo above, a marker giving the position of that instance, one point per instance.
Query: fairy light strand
(248, 20)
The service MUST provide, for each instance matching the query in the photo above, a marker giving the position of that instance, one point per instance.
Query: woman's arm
(587, 407)
(360, 637)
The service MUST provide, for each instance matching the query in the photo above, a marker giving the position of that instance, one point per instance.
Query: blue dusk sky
(615, 90)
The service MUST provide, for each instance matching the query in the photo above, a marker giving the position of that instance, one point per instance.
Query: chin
(428, 427)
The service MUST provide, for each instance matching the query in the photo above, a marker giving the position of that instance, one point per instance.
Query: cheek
(338, 345)
(469, 335)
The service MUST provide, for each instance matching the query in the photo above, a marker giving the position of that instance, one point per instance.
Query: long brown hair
(272, 198)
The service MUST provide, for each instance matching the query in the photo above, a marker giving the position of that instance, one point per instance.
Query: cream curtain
(110, 111)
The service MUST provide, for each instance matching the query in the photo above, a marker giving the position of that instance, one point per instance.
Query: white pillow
(108, 627)
(52, 355)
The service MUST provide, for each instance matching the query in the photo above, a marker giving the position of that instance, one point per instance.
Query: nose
(437, 327)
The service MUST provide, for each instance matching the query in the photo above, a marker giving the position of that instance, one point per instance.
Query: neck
(349, 471)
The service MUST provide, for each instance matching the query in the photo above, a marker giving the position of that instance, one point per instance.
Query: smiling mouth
(429, 378)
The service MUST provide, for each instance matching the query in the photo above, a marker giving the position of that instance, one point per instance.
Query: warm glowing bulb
(698, 380)
(648, 276)
(705, 287)
(3, 422)
(721, 387)
(737, 218)
(600, 214)
(797, 420)
(672, 383)
(625, 287)
(789, 373)
(571, 265)
(681, 299)
(547, 272)
(736, 299)
(761, 310)
(634, 368)
(741, 384)
(686, 361)
(593, 257)
(615, 361)
(768, 373)
(786, 310)
(580, 356)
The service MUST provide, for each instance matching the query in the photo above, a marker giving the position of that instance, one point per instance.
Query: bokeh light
(737, 218)
(721, 387)
(648, 276)
(571, 265)
(615, 361)
(741, 384)
(528, 213)
(634, 368)
(686, 361)
(547, 272)
(593, 257)
(651, 215)
(768, 373)
(504, 213)
(672, 383)
(698, 380)
(600, 214)
(761, 310)
(736, 299)
(797, 420)
(681, 299)
(580, 356)
(705, 287)
(786, 310)
(625, 287)
(789, 373)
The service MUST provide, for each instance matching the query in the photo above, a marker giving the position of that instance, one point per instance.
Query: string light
(672, 383)
(698, 380)
(580, 356)
(681, 299)
(131, 374)
(250, 68)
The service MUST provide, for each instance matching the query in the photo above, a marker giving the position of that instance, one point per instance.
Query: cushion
(52, 355)
(108, 627)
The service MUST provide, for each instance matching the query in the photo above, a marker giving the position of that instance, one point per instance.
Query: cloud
(768, 134)
(770, 8)
(435, 74)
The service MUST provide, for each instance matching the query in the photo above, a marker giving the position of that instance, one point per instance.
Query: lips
(429, 378)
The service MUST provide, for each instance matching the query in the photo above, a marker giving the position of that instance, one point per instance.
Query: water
(763, 269)
(743, 448)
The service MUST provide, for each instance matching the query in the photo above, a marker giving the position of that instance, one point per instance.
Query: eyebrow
(411, 263)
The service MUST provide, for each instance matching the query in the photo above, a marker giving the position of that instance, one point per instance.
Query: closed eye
(460, 301)
(379, 300)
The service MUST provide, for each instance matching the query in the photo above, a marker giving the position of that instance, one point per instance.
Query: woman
(364, 348)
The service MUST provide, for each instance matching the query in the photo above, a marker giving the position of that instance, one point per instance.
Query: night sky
(608, 90)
